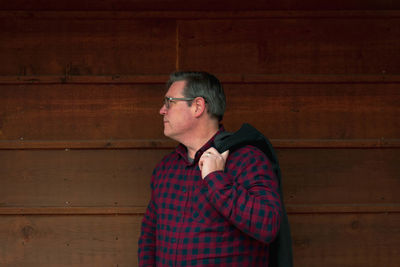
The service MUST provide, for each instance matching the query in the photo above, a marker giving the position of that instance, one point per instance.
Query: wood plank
(290, 209)
(65, 46)
(93, 112)
(224, 78)
(291, 46)
(170, 144)
(198, 14)
(69, 240)
(346, 240)
(316, 111)
(340, 176)
(121, 178)
(91, 210)
(76, 178)
(340, 209)
(331, 240)
(67, 112)
(107, 144)
(204, 5)
(95, 79)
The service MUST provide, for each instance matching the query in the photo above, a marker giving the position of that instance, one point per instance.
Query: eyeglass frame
(168, 100)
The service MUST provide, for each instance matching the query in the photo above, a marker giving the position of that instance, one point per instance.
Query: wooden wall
(81, 83)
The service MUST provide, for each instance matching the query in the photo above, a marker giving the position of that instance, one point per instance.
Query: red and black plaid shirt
(227, 219)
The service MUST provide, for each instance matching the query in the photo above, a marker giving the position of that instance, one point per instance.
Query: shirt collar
(182, 150)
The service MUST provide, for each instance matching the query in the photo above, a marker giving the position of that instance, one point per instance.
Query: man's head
(193, 106)
(205, 85)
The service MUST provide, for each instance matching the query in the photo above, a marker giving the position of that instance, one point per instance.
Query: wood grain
(69, 240)
(170, 144)
(121, 178)
(69, 78)
(81, 83)
(320, 111)
(341, 240)
(346, 240)
(54, 46)
(75, 178)
(65, 112)
(291, 46)
(281, 111)
(204, 5)
(340, 176)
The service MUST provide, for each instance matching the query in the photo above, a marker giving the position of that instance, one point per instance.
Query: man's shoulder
(248, 153)
(169, 157)
(248, 150)
(163, 165)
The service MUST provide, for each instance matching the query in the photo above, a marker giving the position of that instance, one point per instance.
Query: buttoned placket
(186, 189)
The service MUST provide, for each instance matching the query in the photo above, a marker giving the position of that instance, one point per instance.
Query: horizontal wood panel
(115, 178)
(69, 240)
(346, 176)
(62, 46)
(170, 144)
(121, 178)
(68, 112)
(332, 240)
(309, 74)
(104, 45)
(121, 5)
(140, 210)
(65, 112)
(291, 46)
(346, 240)
(308, 111)
(200, 14)
(224, 78)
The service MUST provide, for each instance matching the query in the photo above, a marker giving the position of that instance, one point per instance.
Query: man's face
(178, 117)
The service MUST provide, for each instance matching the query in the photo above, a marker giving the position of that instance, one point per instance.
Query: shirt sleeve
(247, 193)
(147, 241)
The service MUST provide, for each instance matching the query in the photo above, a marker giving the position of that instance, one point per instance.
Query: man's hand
(212, 161)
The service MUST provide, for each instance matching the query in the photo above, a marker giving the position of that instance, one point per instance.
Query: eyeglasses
(168, 100)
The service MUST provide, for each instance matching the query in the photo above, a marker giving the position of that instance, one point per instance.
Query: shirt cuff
(216, 180)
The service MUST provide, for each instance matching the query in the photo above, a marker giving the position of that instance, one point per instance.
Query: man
(207, 208)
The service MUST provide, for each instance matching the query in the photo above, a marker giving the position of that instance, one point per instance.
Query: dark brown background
(81, 83)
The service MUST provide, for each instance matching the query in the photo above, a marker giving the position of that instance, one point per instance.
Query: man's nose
(163, 110)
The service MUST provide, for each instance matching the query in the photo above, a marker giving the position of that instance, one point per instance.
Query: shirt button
(173, 240)
(184, 189)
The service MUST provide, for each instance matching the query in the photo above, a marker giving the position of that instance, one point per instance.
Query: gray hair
(205, 85)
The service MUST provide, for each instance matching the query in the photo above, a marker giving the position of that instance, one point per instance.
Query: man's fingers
(201, 162)
(225, 155)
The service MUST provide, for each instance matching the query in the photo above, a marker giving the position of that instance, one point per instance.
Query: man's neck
(199, 138)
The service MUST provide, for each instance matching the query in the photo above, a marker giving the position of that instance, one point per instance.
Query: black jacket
(281, 247)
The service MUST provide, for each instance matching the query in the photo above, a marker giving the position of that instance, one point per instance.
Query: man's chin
(167, 133)
(170, 135)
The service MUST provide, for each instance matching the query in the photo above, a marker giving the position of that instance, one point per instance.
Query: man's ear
(199, 105)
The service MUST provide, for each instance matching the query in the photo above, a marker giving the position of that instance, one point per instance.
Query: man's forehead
(176, 88)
